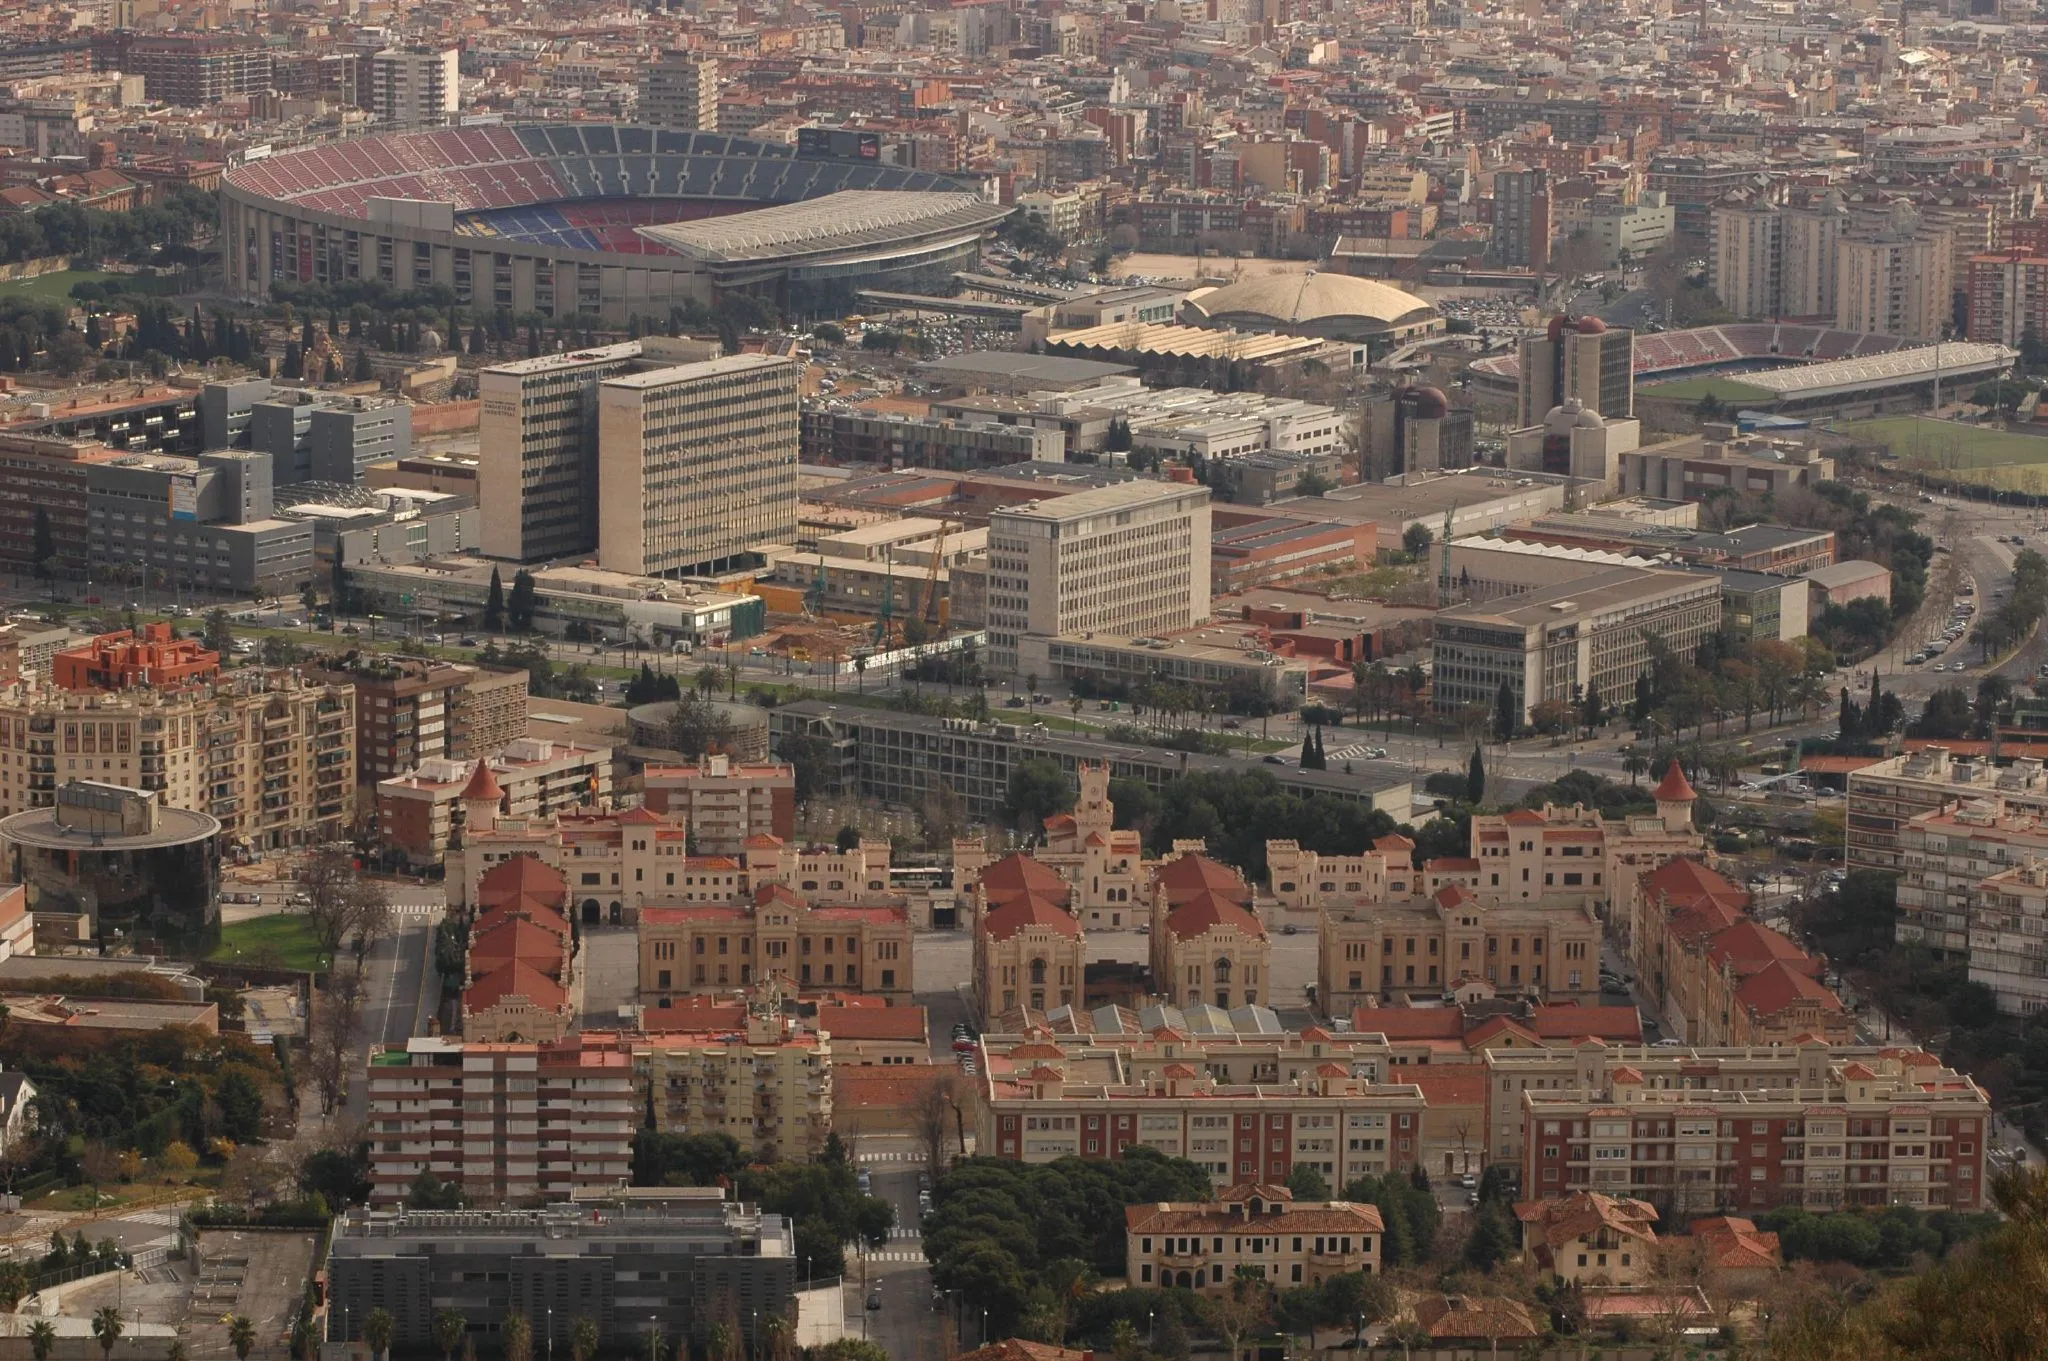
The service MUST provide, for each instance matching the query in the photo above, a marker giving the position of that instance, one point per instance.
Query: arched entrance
(590, 912)
(618, 913)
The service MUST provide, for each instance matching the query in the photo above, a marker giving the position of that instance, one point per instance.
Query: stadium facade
(597, 218)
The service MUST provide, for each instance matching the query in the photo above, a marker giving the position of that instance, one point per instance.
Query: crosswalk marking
(888, 1156)
(901, 1231)
(895, 1256)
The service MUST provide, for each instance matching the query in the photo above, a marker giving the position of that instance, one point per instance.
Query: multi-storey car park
(603, 218)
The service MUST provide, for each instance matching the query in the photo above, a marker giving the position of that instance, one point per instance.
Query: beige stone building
(726, 802)
(1256, 1228)
(1207, 944)
(696, 464)
(269, 753)
(1029, 950)
(1104, 867)
(424, 812)
(699, 948)
(1368, 954)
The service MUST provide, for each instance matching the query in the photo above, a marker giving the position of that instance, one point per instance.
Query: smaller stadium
(610, 219)
(1785, 369)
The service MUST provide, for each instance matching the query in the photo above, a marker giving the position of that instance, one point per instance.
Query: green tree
(42, 1339)
(377, 1333)
(449, 1330)
(1307, 1183)
(241, 1106)
(1507, 715)
(218, 633)
(1491, 1241)
(241, 1336)
(1475, 777)
(848, 839)
(45, 550)
(1038, 789)
(519, 607)
(583, 1339)
(494, 603)
(429, 1192)
(107, 1327)
(1415, 541)
(518, 1336)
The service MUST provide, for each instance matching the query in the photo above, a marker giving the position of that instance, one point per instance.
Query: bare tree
(329, 881)
(369, 919)
(933, 1119)
(332, 1055)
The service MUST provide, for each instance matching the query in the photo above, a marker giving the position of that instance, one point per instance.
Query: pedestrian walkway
(903, 1231)
(889, 1156)
(893, 1256)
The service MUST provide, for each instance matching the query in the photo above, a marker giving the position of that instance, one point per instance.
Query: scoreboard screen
(839, 145)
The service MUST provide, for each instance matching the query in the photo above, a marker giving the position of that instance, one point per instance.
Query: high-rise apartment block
(1583, 358)
(697, 464)
(680, 91)
(2008, 297)
(1125, 561)
(761, 1077)
(537, 452)
(415, 87)
(511, 1124)
(1896, 280)
(726, 802)
(412, 709)
(1744, 258)
(44, 480)
(1522, 217)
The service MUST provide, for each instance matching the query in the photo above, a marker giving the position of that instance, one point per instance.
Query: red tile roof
(1205, 912)
(515, 979)
(526, 875)
(483, 785)
(1015, 876)
(1187, 876)
(1778, 986)
(874, 1023)
(516, 938)
(1674, 787)
(1028, 910)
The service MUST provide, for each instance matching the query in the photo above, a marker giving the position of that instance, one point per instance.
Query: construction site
(874, 588)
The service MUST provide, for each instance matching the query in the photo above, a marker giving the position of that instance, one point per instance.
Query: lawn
(55, 287)
(1696, 389)
(283, 937)
(1966, 453)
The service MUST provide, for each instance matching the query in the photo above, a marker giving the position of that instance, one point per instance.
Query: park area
(1951, 450)
(282, 940)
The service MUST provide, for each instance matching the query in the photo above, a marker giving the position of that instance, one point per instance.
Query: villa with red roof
(1029, 948)
(1105, 865)
(524, 980)
(1208, 946)
(1717, 975)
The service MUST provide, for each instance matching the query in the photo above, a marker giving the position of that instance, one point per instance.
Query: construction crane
(814, 598)
(885, 621)
(932, 612)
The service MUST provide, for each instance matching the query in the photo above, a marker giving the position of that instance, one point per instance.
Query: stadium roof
(849, 219)
(1191, 341)
(1881, 370)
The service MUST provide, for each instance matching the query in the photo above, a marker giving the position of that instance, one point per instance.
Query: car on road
(874, 1300)
(1273, 760)
(1290, 930)
(1468, 1181)
(866, 1180)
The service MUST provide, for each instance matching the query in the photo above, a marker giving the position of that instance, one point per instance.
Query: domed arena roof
(1316, 304)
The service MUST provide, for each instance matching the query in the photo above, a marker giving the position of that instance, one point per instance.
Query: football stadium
(1786, 369)
(603, 218)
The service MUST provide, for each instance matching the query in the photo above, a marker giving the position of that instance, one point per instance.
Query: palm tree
(42, 1338)
(377, 1333)
(1634, 763)
(241, 1336)
(777, 1332)
(518, 1335)
(583, 1340)
(106, 1326)
(449, 1329)
(176, 1351)
(719, 1343)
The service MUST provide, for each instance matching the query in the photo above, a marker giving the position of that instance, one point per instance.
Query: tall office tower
(1126, 561)
(1897, 279)
(1811, 236)
(696, 464)
(680, 91)
(1521, 217)
(415, 87)
(1745, 258)
(537, 452)
(1586, 359)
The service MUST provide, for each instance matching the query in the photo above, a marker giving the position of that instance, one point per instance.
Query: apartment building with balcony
(1245, 1107)
(1885, 798)
(1963, 884)
(271, 754)
(414, 709)
(1252, 1228)
(421, 812)
(726, 802)
(767, 1082)
(1736, 1130)
(511, 1124)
